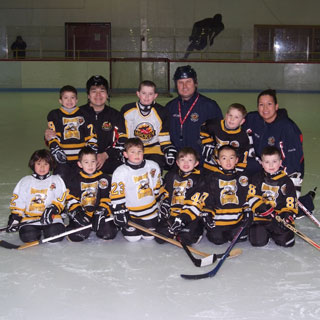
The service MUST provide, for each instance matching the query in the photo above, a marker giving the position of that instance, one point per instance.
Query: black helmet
(97, 81)
(185, 72)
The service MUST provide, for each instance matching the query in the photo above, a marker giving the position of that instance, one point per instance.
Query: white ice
(97, 279)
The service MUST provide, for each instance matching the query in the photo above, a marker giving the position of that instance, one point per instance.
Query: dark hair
(238, 106)
(227, 147)
(147, 83)
(68, 88)
(42, 154)
(269, 92)
(97, 81)
(86, 150)
(187, 150)
(133, 142)
(270, 151)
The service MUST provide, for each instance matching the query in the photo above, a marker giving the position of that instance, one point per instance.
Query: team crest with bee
(71, 127)
(145, 131)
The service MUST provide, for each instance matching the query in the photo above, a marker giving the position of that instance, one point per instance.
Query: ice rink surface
(121, 280)
(97, 279)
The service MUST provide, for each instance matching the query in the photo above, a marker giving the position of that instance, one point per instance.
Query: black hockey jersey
(228, 194)
(276, 190)
(73, 132)
(152, 129)
(109, 127)
(215, 133)
(187, 193)
(89, 192)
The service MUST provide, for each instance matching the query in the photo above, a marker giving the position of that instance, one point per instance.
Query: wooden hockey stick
(309, 214)
(208, 257)
(7, 245)
(299, 233)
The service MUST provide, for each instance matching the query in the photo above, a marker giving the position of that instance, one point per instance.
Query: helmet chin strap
(144, 109)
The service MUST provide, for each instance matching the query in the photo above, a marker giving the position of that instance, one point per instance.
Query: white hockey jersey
(31, 196)
(137, 188)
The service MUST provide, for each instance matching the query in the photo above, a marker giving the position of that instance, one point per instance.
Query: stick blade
(7, 245)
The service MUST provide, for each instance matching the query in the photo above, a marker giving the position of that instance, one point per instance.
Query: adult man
(189, 110)
(271, 126)
(108, 124)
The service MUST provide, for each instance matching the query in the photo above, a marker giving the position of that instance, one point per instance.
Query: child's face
(271, 163)
(187, 162)
(234, 119)
(41, 167)
(88, 163)
(227, 159)
(68, 99)
(134, 154)
(147, 95)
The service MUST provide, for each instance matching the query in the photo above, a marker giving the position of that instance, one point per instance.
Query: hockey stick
(297, 232)
(209, 258)
(214, 271)
(19, 225)
(309, 214)
(7, 245)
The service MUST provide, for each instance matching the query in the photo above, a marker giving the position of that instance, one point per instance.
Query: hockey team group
(183, 170)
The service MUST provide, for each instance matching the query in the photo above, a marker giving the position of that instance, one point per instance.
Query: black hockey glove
(178, 224)
(121, 215)
(80, 217)
(287, 218)
(170, 154)
(207, 152)
(265, 211)
(98, 218)
(208, 220)
(164, 210)
(59, 155)
(247, 216)
(13, 223)
(48, 214)
(307, 202)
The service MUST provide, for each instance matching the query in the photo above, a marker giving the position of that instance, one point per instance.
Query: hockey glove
(48, 214)
(164, 210)
(208, 220)
(98, 217)
(13, 223)
(178, 225)
(121, 215)
(170, 154)
(287, 218)
(265, 211)
(207, 152)
(59, 155)
(247, 216)
(80, 217)
(306, 201)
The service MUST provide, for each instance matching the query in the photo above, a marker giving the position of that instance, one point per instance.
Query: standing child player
(184, 199)
(88, 199)
(228, 191)
(72, 132)
(134, 192)
(149, 121)
(38, 200)
(217, 133)
(272, 193)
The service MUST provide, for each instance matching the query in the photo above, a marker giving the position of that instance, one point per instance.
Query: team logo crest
(194, 117)
(106, 126)
(53, 186)
(243, 180)
(271, 141)
(145, 131)
(234, 144)
(103, 183)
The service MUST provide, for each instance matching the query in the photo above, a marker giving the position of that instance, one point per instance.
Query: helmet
(185, 72)
(97, 81)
